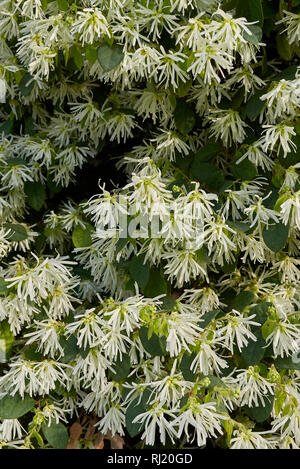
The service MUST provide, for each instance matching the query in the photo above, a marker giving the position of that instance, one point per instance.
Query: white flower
(47, 334)
(91, 24)
(11, 429)
(105, 209)
(155, 419)
(245, 76)
(212, 60)
(34, 377)
(260, 214)
(124, 315)
(290, 210)
(182, 266)
(87, 327)
(284, 338)
(91, 370)
(289, 269)
(154, 104)
(204, 419)
(235, 204)
(120, 126)
(156, 19)
(278, 135)
(37, 282)
(253, 387)
(282, 100)
(227, 125)
(183, 330)
(5, 245)
(292, 22)
(168, 142)
(70, 216)
(193, 32)
(3, 88)
(207, 360)
(52, 411)
(115, 342)
(170, 389)
(149, 195)
(113, 420)
(236, 330)
(206, 299)
(248, 439)
(219, 244)
(197, 204)
(257, 157)
(288, 425)
(168, 71)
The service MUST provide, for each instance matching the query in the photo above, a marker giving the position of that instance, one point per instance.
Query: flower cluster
(164, 302)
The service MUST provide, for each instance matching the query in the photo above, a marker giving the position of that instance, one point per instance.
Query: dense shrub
(160, 307)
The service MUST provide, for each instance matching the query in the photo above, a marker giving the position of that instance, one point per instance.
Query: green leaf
(288, 363)
(76, 55)
(184, 117)
(263, 411)
(6, 341)
(90, 53)
(16, 233)
(205, 154)
(229, 267)
(275, 236)
(208, 317)
(135, 408)
(139, 271)
(36, 195)
(110, 56)
(284, 48)
(156, 346)
(250, 9)
(14, 407)
(255, 105)
(156, 284)
(183, 88)
(3, 286)
(168, 303)
(239, 225)
(254, 351)
(283, 198)
(256, 35)
(32, 354)
(56, 435)
(185, 366)
(268, 328)
(245, 170)
(26, 85)
(288, 74)
(70, 348)
(261, 312)
(38, 438)
(243, 299)
(53, 187)
(7, 126)
(270, 197)
(204, 172)
(81, 237)
(63, 5)
(121, 368)
(28, 126)
(215, 382)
